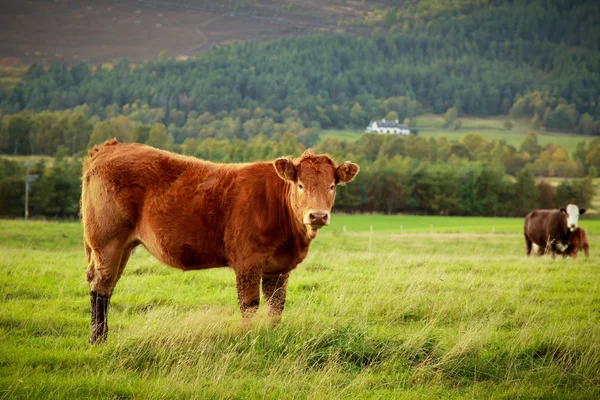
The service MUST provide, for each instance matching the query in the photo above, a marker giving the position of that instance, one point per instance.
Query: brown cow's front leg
(248, 288)
(274, 290)
(99, 305)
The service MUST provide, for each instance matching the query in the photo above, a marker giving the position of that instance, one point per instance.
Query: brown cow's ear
(346, 172)
(285, 168)
(563, 211)
(582, 211)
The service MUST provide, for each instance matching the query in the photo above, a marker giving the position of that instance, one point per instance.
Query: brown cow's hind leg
(105, 268)
(274, 290)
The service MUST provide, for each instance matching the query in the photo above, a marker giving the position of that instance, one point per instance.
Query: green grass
(388, 316)
(491, 128)
(426, 224)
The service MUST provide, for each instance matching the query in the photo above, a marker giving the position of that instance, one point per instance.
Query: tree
(586, 124)
(123, 129)
(12, 190)
(391, 116)
(508, 125)
(358, 118)
(80, 130)
(563, 117)
(531, 146)
(19, 129)
(100, 134)
(450, 117)
(577, 191)
(159, 138)
(535, 121)
(527, 195)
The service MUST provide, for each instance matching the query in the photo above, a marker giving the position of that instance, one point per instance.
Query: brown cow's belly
(189, 259)
(181, 256)
(186, 258)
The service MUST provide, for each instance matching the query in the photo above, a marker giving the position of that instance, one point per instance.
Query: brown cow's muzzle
(316, 218)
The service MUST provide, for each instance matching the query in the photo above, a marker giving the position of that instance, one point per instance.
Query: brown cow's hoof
(99, 305)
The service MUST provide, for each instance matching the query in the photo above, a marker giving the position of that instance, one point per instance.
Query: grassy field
(382, 316)
(424, 224)
(492, 128)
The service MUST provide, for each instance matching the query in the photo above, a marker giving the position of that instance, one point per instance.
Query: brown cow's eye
(331, 187)
(300, 187)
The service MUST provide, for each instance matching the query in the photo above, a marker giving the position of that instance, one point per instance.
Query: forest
(410, 174)
(537, 61)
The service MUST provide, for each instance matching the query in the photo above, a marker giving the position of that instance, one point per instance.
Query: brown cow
(578, 242)
(257, 218)
(550, 230)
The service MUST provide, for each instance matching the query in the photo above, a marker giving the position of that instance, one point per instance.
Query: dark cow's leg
(529, 245)
(274, 290)
(248, 289)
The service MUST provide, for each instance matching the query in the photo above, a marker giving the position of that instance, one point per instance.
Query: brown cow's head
(314, 179)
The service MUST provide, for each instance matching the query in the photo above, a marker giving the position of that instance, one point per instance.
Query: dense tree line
(480, 58)
(230, 135)
(398, 174)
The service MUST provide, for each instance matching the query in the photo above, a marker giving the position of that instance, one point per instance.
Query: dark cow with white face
(550, 230)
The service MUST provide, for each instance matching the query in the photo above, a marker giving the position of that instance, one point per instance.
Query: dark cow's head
(314, 179)
(572, 213)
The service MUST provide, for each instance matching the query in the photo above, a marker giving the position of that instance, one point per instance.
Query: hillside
(103, 30)
(532, 59)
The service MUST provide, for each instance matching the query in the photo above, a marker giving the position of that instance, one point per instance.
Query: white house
(393, 127)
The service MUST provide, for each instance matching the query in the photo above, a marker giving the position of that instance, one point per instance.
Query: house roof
(391, 124)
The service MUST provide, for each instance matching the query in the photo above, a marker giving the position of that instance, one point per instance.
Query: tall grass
(418, 316)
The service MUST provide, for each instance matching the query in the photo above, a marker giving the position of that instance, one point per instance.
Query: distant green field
(489, 128)
(384, 316)
(512, 138)
(426, 224)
